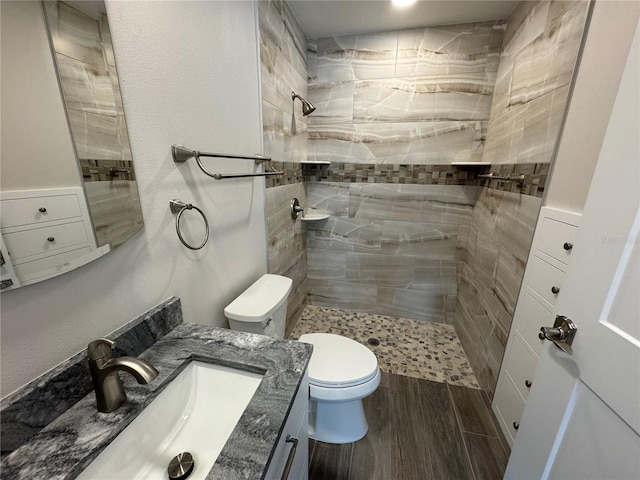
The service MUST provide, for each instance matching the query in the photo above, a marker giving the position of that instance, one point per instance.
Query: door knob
(562, 333)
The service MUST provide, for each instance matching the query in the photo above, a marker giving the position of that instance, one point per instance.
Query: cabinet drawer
(554, 234)
(508, 405)
(36, 241)
(49, 266)
(544, 279)
(530, 316)
(26, 211)
(521, 365)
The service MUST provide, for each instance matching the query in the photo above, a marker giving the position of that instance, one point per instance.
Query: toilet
(341, 371)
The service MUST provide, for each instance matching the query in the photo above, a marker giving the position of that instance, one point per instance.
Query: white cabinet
(297, 427)
(44, 233)
(541, 286)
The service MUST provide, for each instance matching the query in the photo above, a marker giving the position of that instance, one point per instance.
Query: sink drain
(180, 466)
(373, 341)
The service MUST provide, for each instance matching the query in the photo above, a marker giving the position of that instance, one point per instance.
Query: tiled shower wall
(394, 109)
(283, 69)
(539, 54)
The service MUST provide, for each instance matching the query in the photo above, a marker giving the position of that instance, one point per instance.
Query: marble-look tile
(326, 265)
(345, 234)
(75, 34)
(345, 295)
(486, 259)
(387, 202)
(432, 143)
(272, 131)
(395, 100)
(464, 97)
(333, 102)
(85, 87)
(115, 210)
(414, 304)
(96, 137)
(312, 61)
(426, 240)
(413, 203)
(509, 274)
(435, 276)
(407, 347)
(508, 218)
(380, 270)
(353, 57)
(332, 198)
(295, 41)
(286, 238)
(443, 50)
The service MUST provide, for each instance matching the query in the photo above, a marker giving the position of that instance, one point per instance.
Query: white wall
(596, 84)
(37, 151)
(189, 75)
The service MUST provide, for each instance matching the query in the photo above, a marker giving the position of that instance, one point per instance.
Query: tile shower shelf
(315, 216)
(315, 162)
(471, 164)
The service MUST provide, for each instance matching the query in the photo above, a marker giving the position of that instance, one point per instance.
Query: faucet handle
(100, 348)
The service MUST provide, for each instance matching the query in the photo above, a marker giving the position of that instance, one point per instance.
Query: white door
(582, 418)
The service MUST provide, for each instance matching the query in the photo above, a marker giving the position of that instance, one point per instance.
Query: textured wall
(536, 66)
(197, 86)
(283, 67)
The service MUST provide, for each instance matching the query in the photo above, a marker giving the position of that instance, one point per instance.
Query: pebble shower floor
(430, 351)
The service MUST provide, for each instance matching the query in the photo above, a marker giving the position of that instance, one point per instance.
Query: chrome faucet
(109, 390)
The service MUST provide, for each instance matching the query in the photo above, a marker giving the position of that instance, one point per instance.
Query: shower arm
(181, 154)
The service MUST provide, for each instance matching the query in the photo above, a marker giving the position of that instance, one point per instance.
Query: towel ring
(178, 207)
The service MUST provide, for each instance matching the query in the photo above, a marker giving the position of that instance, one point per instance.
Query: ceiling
(327, 18)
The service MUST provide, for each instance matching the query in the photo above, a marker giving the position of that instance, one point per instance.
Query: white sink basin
(195, 413)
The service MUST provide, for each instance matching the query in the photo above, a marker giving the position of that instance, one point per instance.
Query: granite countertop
(68, 444)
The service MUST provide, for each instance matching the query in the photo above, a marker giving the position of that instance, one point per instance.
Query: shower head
(307, 108)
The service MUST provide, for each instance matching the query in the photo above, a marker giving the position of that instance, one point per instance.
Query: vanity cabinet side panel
(297, 427)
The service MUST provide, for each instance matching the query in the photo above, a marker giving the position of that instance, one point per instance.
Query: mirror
(68, 187)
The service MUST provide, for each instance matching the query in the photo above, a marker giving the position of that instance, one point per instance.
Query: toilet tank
(261, 308)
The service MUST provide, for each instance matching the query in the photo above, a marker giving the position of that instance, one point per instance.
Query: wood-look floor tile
(373, 455)
(472, 411)
(487, 456)
(503, 441)
(412, 458)
(443, 439)
(330, 461)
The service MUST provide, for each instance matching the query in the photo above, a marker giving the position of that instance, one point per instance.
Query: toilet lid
(339, 361)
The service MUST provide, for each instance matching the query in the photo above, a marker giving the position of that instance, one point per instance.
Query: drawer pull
(51, 239)
(527, 383)
(555, 290)
(516, 425)
(42, 210)
(292, 454)
(567, 246)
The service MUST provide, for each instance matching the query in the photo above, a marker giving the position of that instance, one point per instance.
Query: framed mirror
(68, 187)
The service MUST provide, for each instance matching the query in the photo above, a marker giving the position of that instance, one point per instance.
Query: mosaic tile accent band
(107, 170)
(534, 180)
(430, 351)
(293, 173)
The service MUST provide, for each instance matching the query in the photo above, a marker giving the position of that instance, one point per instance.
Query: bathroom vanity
(73, 433)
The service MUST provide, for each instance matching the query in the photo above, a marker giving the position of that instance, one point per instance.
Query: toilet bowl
(341, 371)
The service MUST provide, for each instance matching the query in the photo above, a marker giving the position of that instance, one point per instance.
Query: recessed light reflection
(402, 3)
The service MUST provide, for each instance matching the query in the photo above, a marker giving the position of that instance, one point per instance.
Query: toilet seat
(340, 363)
